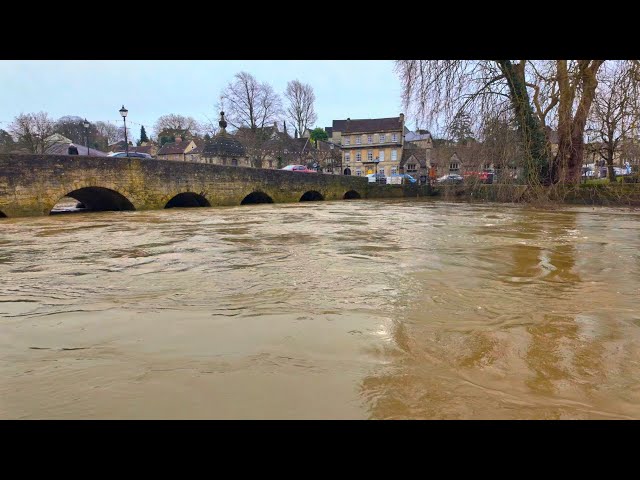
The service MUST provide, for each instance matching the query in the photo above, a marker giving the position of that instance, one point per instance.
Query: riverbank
(583, 194)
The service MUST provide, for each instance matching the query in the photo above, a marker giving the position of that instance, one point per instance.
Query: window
(234, 162)
(487, 166)
(394, 170)
(358, 140)
(270, 163)
(224, 161)
(347, 140)
(411, 167)
(358, 157)
(347, 157)
(394, 155)
(454, 166)
(370, 156)
(381, 171)
(383, 138)
(358, 173)
(381, 155)
(369, 138)
(394, 137)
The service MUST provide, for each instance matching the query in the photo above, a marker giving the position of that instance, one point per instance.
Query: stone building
(224, 149)
(415, 162)
(176, 151)
(371, 145)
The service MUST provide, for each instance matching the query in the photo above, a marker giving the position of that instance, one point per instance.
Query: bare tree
(562, 88)
(174, 124)
(108, 131)
(300, 100)
(614, 112)
(32, 131)
(210, 127)
(249, 103)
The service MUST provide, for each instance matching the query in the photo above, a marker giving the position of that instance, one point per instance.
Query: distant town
(256, 128)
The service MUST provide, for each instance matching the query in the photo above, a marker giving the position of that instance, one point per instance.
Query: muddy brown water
(355, 309)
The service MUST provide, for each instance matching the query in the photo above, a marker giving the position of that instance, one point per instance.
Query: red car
(483, 177)
(298, 168)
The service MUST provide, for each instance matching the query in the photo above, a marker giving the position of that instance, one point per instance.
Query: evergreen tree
(143, 135)
(318, 134)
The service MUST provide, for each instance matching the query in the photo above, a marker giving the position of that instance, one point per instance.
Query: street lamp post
(86, 134)
(123, 112)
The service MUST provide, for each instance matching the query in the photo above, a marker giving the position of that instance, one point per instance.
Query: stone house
(176, 151)
(371, 145)
(415, 162)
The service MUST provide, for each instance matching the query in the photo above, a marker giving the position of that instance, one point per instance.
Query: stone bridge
(31, 185)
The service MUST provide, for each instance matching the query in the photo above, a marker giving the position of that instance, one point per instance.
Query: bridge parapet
(31, 185)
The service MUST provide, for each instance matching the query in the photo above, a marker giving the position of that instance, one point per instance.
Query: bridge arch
(2, 215)
(188, 200)
(351, 195)
(256, 197)
(100, 199)
(312, 196)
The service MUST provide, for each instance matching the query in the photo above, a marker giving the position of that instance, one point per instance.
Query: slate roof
(224, 145)
(420, 154)
(174, 147)
(367, 125)
(63, 149)
(417, 136)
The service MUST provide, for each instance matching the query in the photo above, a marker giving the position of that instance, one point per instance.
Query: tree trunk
(567, 164)
(611, 171)
(531, 131)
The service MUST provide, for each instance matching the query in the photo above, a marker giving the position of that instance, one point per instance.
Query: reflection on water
(365, 309)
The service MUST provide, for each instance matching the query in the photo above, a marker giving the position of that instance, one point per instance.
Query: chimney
(275, 126)
(346, 128)
(402, 119)
(178, 139)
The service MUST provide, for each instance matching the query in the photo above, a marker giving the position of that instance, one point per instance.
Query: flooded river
(363, 309)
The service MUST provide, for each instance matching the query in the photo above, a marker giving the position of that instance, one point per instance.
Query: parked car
(406, 176)
(131, 154)
(298, 168)
(452, 179)
(587, 172)
(482, 177)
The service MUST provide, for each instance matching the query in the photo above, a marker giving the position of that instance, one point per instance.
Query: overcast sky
(97, 89)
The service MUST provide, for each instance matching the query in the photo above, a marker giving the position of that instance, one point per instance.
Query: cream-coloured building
(372, 145)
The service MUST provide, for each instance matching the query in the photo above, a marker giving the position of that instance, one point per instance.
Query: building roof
(63, 149)
(417, 136)
(419, 154)
(174, 147)
(324, 145)
(367, 125)
(224, 145)
(58, 138)
(467, 154)
(146, 149)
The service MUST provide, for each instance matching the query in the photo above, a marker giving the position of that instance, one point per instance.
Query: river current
(364, 309)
